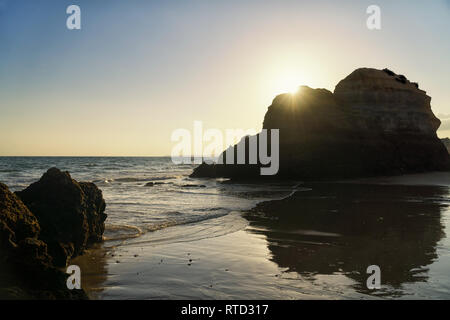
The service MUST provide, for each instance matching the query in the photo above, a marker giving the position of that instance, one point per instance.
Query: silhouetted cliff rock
(446, 142)
(375, 123)
(381, 101)
(26, 269)
(71, 214)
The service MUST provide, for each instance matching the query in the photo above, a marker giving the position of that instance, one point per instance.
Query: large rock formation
(71, 214)
(375, 123)
(26, 269)
(381, 101)
(446, 142)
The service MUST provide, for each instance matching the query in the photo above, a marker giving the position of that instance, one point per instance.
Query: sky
(138, 70)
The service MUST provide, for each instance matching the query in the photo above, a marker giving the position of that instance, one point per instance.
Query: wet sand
(418, 179)
(315, 244)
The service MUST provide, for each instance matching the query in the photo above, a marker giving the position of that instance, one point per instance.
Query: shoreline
(434, 178)
(250, 263)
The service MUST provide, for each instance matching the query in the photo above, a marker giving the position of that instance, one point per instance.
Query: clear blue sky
(137, 70)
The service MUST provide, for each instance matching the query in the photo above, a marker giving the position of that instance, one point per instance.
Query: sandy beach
(315, 244)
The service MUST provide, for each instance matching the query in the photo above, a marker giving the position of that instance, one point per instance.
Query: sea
(146, 194)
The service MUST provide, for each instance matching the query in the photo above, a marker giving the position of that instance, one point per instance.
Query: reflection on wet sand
(94, 273)
(344, 228)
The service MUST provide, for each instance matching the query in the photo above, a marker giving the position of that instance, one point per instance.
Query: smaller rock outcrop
(152, 184)
(26, 269)
(70, 213)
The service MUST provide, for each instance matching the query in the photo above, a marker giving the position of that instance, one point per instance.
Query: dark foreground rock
(375, 123)
(26, 268)
(70, 213)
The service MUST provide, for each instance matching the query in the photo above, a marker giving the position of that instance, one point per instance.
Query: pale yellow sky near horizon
(122, 88)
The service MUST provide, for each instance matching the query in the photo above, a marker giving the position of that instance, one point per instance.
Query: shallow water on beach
(144, 195)
(186, 238)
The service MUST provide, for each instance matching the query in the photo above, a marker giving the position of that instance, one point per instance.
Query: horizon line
(73, 156)
(103, 156)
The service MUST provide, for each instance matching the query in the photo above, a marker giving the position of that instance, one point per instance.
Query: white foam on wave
(125, 231)
(214, 226)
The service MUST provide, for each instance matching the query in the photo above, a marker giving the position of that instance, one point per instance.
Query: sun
(293, 89)
(286, 77)
(288, 84)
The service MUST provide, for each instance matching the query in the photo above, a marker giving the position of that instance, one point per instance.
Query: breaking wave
(124, 232)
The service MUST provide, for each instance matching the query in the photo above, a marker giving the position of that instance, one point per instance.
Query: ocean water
(200, 208)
